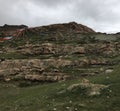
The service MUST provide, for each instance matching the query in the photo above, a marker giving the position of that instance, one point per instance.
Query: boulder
(89, 88)
(109, 71)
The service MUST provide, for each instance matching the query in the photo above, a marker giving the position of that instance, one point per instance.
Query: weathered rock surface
(10, 30)
(34, 70)
(49, 48)
(55, 52)
(89, 88)
(66, 49)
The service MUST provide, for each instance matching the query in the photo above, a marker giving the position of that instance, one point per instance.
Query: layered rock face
(64, 49)
(33, 70)
(56, 52)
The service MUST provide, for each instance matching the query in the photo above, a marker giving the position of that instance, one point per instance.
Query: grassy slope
(45, 97)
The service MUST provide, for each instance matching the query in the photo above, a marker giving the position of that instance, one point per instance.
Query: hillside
(45, 68)
(72, 27)
(10, 30)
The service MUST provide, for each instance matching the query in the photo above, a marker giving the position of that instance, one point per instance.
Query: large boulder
(90, 89)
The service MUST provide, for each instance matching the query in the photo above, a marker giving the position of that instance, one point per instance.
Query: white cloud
(102, 15)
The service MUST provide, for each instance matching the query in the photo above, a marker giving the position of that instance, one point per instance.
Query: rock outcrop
(55, 30)
(33, 70)
(55, 52)
(10, 30)
(87, 88)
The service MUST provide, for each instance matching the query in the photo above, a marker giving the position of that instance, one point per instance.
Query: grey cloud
(98, 11)
(102, 15)
(51, 3)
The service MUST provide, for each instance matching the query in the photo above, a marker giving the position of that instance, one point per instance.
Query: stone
(91, 89)
(109, 71)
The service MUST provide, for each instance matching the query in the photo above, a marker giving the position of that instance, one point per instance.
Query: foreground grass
(45, 97)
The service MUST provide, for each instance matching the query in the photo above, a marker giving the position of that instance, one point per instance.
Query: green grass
(45, 97)
(13, 56)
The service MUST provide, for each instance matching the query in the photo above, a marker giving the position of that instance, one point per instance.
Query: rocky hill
(56, 52)
(71, 27)
(22, 30)
(9, 30)
(60, 67)
(11, 27)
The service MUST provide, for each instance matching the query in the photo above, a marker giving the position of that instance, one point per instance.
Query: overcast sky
(101, 15)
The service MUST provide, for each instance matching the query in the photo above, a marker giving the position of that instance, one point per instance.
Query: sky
(100, 15)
